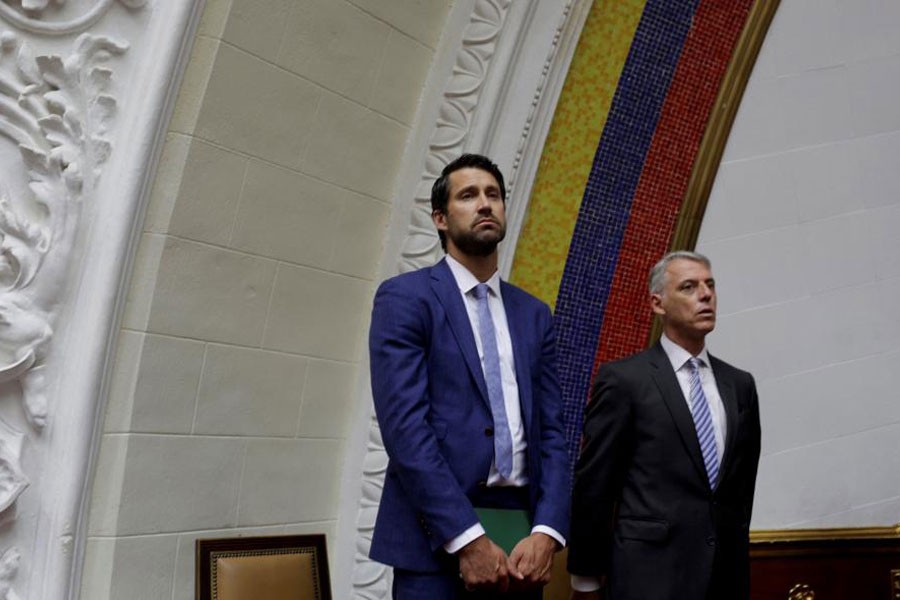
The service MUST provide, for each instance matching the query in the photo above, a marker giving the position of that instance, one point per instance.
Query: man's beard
(473, 244)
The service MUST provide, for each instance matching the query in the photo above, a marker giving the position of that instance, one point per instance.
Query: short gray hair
(657, 277)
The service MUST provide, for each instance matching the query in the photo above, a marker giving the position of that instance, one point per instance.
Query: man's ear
(439, 219)
(656, 304)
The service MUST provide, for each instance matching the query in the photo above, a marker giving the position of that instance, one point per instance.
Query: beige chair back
(271, 567)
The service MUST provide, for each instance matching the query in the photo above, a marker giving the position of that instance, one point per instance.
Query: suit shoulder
(409, 277)
(408, 282)
(520, 296)
(624, 374)
(627, 364)
(730, 370)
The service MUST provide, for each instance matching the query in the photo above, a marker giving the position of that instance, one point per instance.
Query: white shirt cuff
(469, 535)
(476, 531)
(583, 583)
(551, 532)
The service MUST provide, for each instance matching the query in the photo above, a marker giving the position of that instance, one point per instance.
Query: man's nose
(484, 203)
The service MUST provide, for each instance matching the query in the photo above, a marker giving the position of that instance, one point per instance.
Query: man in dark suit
(467, 399)
(664, 484)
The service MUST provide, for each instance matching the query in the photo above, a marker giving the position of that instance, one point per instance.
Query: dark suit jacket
(435, 419)
(643, 511)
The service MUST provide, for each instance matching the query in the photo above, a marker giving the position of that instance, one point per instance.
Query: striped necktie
(704, 424)
(502, 436)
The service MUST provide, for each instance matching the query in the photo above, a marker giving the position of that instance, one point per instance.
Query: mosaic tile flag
(614, 172)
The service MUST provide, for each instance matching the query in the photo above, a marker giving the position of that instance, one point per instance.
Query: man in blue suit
(467, 398)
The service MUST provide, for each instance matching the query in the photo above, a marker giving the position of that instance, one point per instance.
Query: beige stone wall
(236, 365)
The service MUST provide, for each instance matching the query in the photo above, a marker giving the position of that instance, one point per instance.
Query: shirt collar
(466, 281)
(678, 355)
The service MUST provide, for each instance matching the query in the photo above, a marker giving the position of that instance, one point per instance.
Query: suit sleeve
(553, 501)
(754, 451)
(600, 474)
(398, 342)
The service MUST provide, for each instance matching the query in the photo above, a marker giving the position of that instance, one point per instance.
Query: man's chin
(706, 326)
(479, 246)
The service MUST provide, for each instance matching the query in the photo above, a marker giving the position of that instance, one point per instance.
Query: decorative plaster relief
(12, 480)
(56, 111)
(31, 14)
(9, 566)
(422, 246)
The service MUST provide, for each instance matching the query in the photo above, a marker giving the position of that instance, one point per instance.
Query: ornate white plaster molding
(12, 479)
(66, 240)
(57, 111)
(461, 96)
(9, 567)
(30, 16)
(481, 109)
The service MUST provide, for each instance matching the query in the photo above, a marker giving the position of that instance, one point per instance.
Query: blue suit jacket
(432, 407)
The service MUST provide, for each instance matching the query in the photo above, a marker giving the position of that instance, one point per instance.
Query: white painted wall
(803, 228)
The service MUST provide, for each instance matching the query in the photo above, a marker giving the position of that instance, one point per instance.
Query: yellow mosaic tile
(570, 146)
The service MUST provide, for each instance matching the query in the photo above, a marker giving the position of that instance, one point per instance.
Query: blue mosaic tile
(607, 198)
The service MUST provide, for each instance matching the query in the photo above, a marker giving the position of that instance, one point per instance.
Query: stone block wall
(236, 368)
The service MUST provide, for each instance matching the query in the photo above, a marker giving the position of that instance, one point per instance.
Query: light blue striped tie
(502, 436)
(704, 424)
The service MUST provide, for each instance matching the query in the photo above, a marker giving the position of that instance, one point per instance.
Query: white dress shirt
(679, 357)
(518, 476)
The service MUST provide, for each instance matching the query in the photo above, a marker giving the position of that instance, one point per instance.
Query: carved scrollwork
(9, 566)
(422, 246)
(56, 111)
(12, 480)
(30, 17)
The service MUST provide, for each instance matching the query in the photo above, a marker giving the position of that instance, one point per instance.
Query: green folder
(506, 527)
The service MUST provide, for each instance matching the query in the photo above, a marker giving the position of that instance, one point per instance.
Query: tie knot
(694, 362)
(480, 291)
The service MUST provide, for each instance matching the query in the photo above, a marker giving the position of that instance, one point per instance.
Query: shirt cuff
(551, 532)
(469, 535)
(583, 583)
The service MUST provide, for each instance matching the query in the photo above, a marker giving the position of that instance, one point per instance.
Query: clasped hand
(484, 565)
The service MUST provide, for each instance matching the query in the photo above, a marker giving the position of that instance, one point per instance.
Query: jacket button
(710, 541)
(488, 431)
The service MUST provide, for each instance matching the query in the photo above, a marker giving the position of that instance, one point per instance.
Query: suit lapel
(667, 382)
(447, 291)
(729, 401)
(518, 332)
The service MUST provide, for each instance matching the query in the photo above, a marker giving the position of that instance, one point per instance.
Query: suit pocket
(646, 530)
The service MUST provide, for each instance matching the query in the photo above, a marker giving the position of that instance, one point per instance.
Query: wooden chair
(290, 567)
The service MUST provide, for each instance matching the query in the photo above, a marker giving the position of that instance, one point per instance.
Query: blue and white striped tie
(704, 424)
(492, 376)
